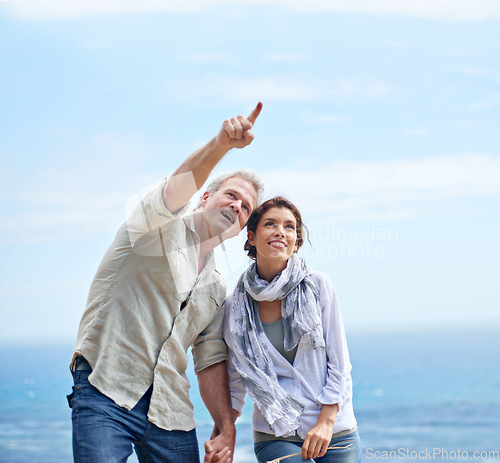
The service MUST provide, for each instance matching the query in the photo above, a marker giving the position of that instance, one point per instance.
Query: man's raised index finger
(255, 113)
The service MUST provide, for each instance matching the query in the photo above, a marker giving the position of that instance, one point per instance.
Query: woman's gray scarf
(301, 315)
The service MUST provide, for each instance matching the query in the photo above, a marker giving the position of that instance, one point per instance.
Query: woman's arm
(338, 366)
(317, 439)
(338, 362)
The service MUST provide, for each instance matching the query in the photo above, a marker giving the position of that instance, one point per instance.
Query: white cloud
(328, 118)
(38, 288)
(245, 91)
(491, 75)
(287, 58)
(467, 10)
(481, 105)
(274, 88)
(86, 196)
(398, 44)
(97, 44)
(477, 71)
(58, 204)
(207, 58)
(417, 131)
(364, 190)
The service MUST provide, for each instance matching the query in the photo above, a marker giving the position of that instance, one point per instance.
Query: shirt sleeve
(209, 347)
(338, 362)
(150, 214)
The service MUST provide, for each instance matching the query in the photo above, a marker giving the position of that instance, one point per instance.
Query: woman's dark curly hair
(253, 221)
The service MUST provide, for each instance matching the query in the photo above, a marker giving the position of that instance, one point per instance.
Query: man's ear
(251, 237)
(204, 198)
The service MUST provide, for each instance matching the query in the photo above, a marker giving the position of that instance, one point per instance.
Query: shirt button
(147, 381)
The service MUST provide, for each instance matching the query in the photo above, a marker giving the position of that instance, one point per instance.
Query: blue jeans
(103, 432)
(268, 451)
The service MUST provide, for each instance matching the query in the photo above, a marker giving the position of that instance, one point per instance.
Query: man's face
(228, 209)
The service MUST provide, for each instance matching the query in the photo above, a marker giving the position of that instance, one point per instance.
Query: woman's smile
(277, 244)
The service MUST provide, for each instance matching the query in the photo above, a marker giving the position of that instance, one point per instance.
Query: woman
(288, 349)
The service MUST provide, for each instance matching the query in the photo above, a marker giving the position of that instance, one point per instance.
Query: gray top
(276, 335)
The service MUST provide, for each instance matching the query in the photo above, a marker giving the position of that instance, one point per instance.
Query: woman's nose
(279, 230)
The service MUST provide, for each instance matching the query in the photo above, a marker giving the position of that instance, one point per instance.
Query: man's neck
(207, 242)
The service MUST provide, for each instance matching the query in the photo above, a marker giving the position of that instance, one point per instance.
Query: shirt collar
(210, 264)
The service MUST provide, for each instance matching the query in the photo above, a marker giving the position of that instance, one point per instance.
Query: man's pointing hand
(236, 132)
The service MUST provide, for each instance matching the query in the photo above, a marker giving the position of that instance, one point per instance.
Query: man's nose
(236, 205)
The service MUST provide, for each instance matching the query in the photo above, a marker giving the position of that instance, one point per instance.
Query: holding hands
(220, 447)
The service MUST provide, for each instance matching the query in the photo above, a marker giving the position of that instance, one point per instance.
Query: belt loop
(73, 365)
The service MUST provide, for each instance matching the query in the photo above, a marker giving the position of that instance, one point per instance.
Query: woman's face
(276, 236)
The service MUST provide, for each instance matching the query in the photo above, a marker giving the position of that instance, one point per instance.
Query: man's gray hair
(245, 174)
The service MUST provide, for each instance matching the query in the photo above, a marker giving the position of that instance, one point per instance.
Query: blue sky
(381, 121)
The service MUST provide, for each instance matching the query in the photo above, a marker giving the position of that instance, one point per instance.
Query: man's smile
(230, 216)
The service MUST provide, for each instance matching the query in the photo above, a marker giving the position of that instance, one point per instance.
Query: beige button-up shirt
(134, 333)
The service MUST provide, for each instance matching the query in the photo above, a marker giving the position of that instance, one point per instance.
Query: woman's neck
(267, 270)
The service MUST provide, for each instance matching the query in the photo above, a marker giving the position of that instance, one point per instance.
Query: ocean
(418, 396)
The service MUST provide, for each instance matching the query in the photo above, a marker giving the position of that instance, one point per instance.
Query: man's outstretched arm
(214, 390)
(194, 171)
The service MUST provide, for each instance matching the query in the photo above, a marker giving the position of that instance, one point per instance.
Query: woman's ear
(251, 238)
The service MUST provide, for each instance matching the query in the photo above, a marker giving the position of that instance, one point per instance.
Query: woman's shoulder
(321, 280)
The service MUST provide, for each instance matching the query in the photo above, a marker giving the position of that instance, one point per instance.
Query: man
(155, 294)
